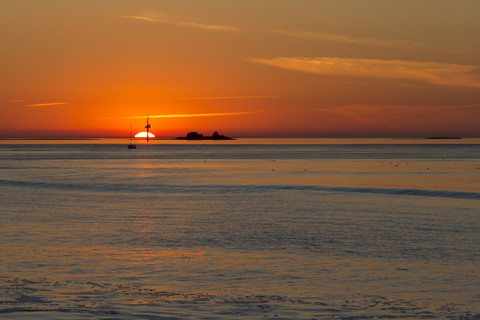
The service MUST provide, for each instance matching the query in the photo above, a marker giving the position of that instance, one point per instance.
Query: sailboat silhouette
(131, 145)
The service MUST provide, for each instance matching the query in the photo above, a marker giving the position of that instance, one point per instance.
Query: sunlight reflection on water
(99, 236)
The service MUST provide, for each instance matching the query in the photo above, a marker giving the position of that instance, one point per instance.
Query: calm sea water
(248, 229)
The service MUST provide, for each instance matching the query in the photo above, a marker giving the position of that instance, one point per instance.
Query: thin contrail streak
(47, 104)
(185, 115)
(229, 98)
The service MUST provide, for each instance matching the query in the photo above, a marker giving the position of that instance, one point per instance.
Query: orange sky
(245, 68)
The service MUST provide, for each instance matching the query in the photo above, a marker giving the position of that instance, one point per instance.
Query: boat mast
(130, 137)
(148, 129)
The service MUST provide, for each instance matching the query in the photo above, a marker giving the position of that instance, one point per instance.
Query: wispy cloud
(47, 104)
(456, 107)
(352, 40)
(162, 18)
(381, 108)
(430, 72)
(370, 113)
(16, 101)
(188, 115)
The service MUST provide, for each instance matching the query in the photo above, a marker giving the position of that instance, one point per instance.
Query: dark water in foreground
(240, 230)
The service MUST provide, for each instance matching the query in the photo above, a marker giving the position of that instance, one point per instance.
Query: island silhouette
(198, 136)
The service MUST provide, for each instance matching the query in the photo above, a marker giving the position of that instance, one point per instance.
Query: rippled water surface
(248, 229)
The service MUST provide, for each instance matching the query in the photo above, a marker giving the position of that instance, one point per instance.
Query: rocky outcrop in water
(198, 136)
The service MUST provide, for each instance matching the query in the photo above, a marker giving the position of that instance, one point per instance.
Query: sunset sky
(245, 68)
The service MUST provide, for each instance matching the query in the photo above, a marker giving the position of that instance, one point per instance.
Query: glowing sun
(143, 134)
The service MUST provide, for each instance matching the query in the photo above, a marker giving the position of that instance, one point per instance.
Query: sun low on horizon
(373, 68)
(144, 134)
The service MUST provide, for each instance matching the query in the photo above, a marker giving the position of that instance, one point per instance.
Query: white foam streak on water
(239, 231)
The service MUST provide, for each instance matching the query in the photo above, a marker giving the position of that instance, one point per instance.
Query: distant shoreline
(444, 138)
(86, 139)
(208, 138)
